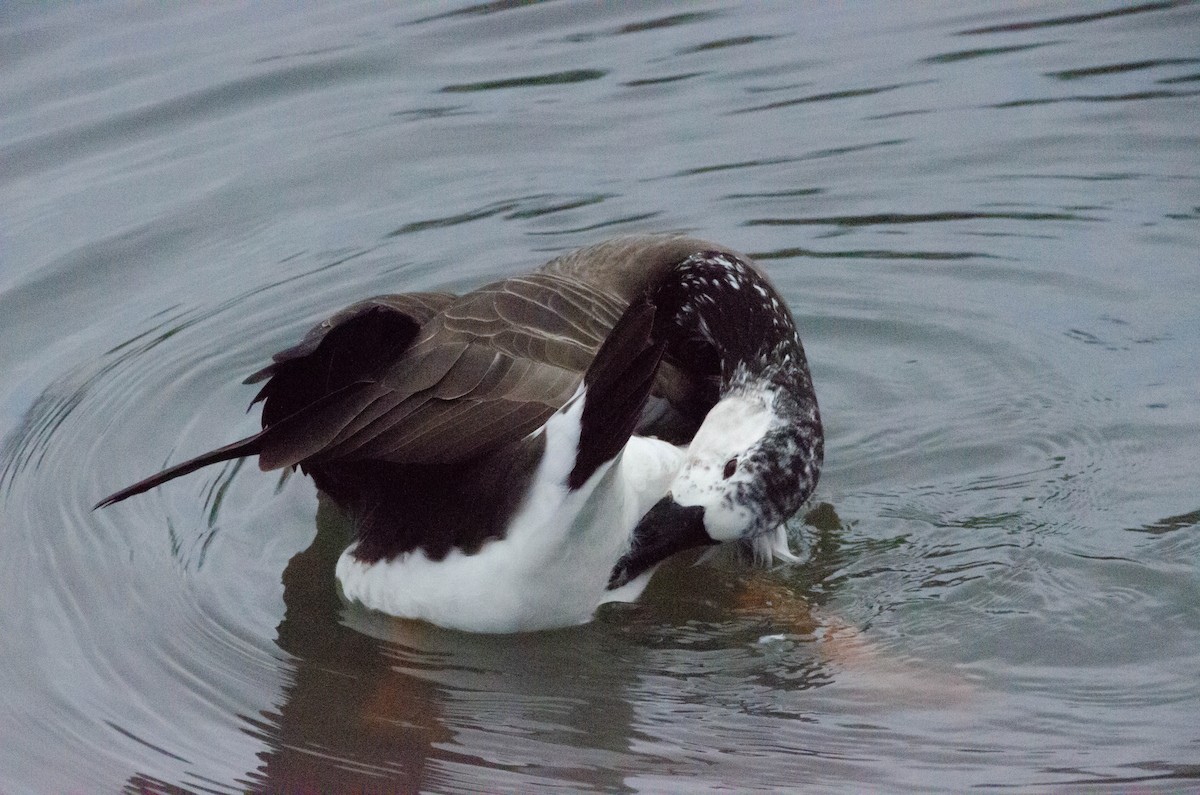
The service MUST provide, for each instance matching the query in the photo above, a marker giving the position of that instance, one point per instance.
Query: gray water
(986, 219)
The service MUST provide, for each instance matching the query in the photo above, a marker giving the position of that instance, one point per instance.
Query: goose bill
(667, 528)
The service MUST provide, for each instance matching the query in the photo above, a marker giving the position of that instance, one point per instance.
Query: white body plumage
(551, 568)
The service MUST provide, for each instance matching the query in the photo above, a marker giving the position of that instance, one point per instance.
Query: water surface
(985, 218)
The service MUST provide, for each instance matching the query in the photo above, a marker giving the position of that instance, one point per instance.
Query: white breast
(551, 569)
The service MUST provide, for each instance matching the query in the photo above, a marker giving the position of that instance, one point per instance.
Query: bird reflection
(383, 704)
(349, 721)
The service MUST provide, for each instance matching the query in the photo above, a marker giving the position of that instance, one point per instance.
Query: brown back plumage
(484, 370)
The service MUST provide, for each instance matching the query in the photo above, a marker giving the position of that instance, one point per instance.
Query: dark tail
(251, 445)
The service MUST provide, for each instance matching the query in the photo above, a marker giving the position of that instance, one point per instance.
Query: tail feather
(251, 445)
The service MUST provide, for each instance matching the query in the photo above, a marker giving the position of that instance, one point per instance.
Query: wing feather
(489, 367)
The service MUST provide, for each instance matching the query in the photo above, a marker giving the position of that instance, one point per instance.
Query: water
(986, 220)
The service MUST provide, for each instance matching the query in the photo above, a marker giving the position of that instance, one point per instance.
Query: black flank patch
(435, 508)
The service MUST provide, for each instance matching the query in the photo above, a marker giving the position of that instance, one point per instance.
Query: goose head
(752, 464)
(754, 461)
(756, 457)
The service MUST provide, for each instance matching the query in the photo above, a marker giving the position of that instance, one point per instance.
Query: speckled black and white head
(757, 455)
(751, 466)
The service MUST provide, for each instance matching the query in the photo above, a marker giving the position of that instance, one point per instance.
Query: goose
(516, 456)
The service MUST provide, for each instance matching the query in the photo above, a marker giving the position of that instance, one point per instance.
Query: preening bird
(515, 456)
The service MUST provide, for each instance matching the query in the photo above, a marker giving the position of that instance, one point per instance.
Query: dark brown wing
(331, 366)
(491, 367)
(488, 369)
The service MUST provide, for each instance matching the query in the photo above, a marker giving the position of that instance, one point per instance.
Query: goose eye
(730, 467)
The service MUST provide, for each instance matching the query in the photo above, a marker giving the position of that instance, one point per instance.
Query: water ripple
(1119, 68)
(30, 155)
(852, 93)
(1075, 19)
(528, 81)
(916, 218)
(515, 209)
(983, 52)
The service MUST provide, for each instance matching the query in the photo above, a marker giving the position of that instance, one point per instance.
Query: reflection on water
(433, 709)
(984, 219)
